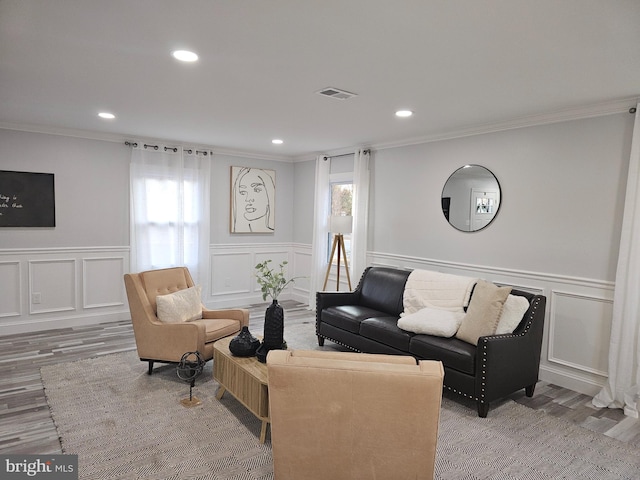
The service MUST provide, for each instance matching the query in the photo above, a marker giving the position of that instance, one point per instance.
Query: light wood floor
(26, 426)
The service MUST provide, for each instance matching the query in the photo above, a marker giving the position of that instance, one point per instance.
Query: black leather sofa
(365, 320)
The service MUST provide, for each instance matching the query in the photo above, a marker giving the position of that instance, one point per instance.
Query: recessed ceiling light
(277, 141)
(404, 113)
(107, 115)
(185, 56)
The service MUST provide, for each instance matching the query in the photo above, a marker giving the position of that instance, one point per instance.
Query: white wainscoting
(61, 287)
(578, 316)
(577, 320)
(301, 254)
(232, 272)
(580, 320)
(11, 291)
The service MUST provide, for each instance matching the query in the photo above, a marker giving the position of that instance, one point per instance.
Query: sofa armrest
(239, 314)
(509, 362)
(331, 299)
(169, 340)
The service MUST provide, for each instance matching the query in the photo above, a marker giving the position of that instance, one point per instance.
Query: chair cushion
(453, 353)
(385, 330)
(348, 317)
(181, 306)
(218, 328)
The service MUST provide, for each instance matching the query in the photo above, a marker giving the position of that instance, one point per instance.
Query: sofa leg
(150, 367)
(483, 409)
(320, 341)
(529, 389)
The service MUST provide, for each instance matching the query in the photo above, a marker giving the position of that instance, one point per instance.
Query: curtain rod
(345, 154)
(175, 149)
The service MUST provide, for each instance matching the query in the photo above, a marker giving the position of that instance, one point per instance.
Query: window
(169, 211)
(171, 221)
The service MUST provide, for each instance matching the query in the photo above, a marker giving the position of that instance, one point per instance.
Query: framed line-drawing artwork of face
(253, 193)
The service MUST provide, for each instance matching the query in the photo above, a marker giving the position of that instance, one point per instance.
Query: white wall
(72, 274)
(562, 197)
(557, 231)
(92, 200)
(304, 194)
(220, 198)
(234, 256)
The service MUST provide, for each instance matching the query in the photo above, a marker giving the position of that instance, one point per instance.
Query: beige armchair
(168, 342)
(352, 416)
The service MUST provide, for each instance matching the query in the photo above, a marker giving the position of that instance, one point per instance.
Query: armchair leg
(150, 367)
(320, 341)
(483, 409)
(529, 389)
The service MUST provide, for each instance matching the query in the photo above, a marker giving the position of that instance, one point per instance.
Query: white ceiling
(457, 64)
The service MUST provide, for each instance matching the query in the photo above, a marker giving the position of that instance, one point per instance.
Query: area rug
(125, 424)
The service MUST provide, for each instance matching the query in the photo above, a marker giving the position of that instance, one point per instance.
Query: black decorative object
(272, 282)
(245, 344)
(273, 331)
(190, 367)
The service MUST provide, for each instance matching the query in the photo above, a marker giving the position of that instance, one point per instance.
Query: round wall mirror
(471, 198)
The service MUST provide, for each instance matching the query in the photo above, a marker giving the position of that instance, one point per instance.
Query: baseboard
(586, 386)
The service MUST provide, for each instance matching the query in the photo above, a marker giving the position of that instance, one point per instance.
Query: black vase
(273, 331)
(245, 344)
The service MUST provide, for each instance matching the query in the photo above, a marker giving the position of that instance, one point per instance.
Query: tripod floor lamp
(339, 225)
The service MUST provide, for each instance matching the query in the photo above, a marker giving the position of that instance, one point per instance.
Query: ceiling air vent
(335, 93)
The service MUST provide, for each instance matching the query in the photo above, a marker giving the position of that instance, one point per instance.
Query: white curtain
(170, 209)
(622, 389)
(321, 215)
(360, 214)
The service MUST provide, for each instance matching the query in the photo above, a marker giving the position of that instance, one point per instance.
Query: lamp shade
(341, 223)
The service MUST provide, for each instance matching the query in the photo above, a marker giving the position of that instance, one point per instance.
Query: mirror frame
(446, 205)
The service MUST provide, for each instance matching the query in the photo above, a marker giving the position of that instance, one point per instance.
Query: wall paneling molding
(11, 291)
(50, 288)
(577, 323)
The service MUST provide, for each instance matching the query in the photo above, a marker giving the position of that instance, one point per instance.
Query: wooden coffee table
(245, 378)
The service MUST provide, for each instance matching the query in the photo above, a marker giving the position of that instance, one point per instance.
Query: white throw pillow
(512, 311)
(181, 306)
(432, 321)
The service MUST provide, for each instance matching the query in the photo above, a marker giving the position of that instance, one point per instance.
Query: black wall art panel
(27, 199)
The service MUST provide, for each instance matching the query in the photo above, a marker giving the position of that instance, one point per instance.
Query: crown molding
(69, 132)
(557, 116)
(121, 138)
(247, 154)
(562, 115)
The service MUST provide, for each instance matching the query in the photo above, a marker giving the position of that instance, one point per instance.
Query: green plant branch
(272, 282)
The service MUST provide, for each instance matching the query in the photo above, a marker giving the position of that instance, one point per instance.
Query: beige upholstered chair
(343, 415)
(168, 342)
